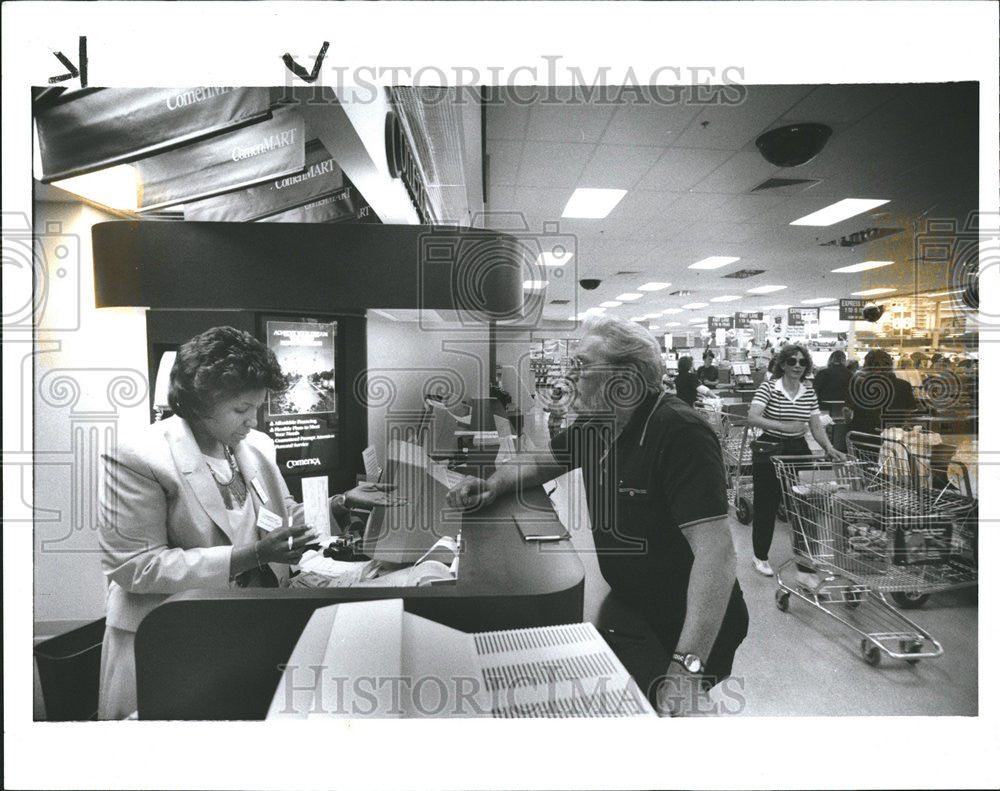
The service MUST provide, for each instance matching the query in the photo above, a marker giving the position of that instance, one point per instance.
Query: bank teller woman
(183, 499)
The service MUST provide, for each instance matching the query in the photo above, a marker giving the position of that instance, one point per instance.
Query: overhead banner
(322, 176)
(98, 128)
(850, 309)
(345, 205)
(720, 323)
(274, 148)
(744, 319)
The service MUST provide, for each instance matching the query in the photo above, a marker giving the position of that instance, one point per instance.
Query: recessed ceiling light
(714, 262)
(694, 305)
(535, 285)
(611, 303)
(865, 265)
(841, 210)
(114, 187)
(629, 296)
(653, 286)
(727, 298)
(592, 204)
(765, 289)
(818, 300)
(558, 257)
(872, 291)
(671, 311)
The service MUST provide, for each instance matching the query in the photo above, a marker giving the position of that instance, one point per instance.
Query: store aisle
(802, 662)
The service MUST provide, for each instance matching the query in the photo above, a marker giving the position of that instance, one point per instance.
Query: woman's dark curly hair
(220, 363)
(685, 364)
(787, 353)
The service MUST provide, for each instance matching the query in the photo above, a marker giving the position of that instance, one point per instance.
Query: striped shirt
(778, 405)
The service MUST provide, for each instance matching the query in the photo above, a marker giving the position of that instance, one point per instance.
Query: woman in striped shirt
(784, 408)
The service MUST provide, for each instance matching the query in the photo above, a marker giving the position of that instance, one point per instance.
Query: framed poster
(303, 420)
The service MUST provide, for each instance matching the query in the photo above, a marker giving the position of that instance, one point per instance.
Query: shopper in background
(876, 397)
(708, 374)
(686, 383)
(183, 499)
(830, 383)
(656, 493)
(784, 408)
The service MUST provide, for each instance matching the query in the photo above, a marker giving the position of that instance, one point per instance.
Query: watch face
(692, 663)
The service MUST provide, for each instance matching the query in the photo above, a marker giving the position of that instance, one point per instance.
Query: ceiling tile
(838, 105)
(740, 173)
(553, 164)
(743, 208)
(679, 169)
(648, 124)
(568, 123)
(504, 160)
(618, 167)
(506, 121)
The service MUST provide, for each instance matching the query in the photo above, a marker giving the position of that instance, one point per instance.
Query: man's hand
(470, 493)
(679, 694)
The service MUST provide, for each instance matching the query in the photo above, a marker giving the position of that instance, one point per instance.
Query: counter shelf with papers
(218, 654)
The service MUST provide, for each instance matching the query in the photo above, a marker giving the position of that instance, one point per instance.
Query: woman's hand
(275, 547)
(471, 492)
(836, 455)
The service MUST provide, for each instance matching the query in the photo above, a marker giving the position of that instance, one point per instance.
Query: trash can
(69, 667)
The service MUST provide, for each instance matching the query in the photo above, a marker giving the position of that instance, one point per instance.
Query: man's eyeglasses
(798, 362)
(577, 365)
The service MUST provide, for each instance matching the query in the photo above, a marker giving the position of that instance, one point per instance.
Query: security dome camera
(872, 313)
(589, 283)
(789, 146)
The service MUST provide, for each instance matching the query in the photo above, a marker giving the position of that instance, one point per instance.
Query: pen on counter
(615, 634)
(544, 538)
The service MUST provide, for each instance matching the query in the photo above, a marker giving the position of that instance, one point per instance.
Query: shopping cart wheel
(744, 511)
(870, 652)
(908, 600)
(853, 597)
(911, 647)
(781, 599)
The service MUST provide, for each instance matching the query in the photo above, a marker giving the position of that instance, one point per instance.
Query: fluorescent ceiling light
(554, 258)
(114, 187)
(765, 289)
(535, 285)
(629, 296)
(841, 210)
(596, 311)
(654, 326)
(699, 321)
(611, 303)
(653, 286)
(652, 316)
(872, 291)
(713, 262)
(818, 300)
(727, 298)
(865, 265)
(672, 324)
(671, 311)
(592, 204)
(694, 305)
(943, 293)
(776, 307)
(638, 318)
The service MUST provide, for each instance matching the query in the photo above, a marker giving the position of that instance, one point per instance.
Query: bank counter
(211, 655)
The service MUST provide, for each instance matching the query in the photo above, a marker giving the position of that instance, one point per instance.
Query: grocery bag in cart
(861, 535)
(809, 511)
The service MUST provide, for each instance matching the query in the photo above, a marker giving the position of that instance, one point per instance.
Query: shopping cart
(933, 507)
(841, 530)
(735, 437)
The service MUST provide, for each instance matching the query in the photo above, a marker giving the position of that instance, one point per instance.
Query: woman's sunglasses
(798, 362)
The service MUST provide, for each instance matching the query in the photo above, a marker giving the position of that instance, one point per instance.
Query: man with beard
(656, 495)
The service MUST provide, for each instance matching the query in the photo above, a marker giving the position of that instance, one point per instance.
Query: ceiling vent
(861, 237)
(559, 302)
(682, 293)
(740, 274)
(627, 272)
(785, 186)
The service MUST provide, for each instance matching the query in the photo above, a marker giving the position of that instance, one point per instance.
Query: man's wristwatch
(690, 662)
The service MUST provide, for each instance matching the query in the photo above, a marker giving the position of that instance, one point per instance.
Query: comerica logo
(291, 463)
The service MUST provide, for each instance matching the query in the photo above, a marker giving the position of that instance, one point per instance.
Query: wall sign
(403, 165)
(744, 319)
(720, 323)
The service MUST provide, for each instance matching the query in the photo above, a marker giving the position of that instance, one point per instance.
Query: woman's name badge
(267, 520)
(259, 489)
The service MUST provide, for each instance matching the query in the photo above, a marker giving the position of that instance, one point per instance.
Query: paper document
(316, 503)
